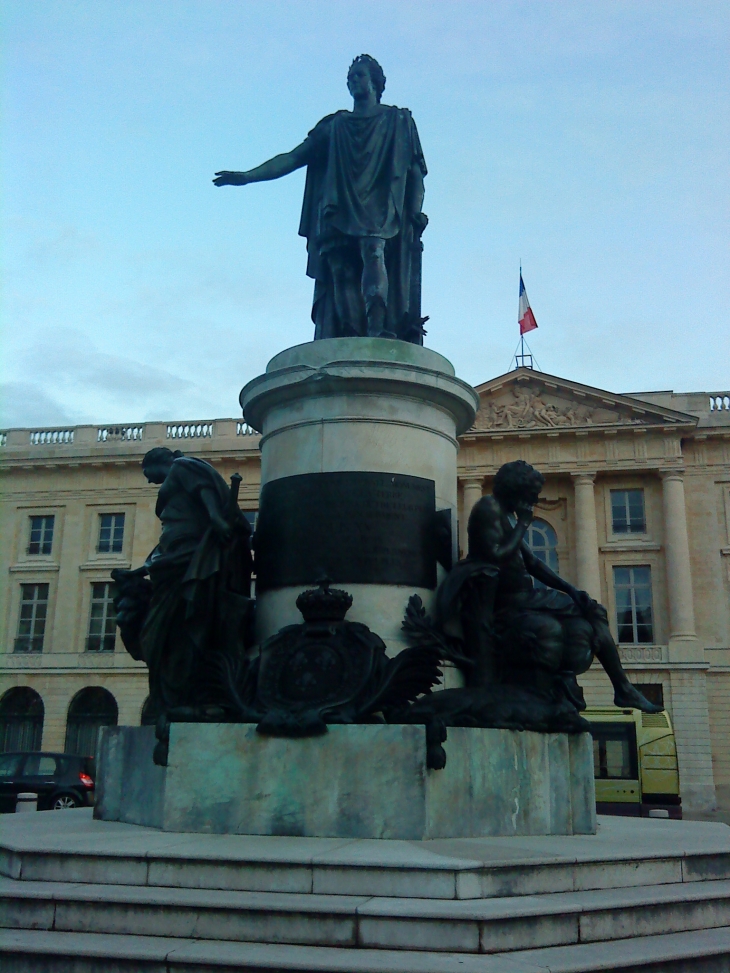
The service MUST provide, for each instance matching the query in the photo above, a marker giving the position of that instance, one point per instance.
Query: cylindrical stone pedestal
(26, 802)
(358, 476)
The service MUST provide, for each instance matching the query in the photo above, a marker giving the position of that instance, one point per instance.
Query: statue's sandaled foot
(629, 696)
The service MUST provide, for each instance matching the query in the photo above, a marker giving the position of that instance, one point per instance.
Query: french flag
(525, 315)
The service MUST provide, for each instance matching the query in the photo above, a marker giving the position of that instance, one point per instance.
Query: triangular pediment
(527, 399)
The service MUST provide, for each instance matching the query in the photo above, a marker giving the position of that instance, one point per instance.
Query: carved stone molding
(641, 653)
(528, 407)
(673, 473)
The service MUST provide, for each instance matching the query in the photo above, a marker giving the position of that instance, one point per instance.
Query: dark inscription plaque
(361, 528)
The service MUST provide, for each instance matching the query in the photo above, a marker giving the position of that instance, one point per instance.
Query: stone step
(32, 951)
(70, 846)
(472, 926)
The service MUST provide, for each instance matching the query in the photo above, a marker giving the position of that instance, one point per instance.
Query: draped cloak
(357, 183)
(189, 570)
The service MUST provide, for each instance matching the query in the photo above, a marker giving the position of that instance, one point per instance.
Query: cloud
(82, 384)
(73, 362)
(28, 404)
(584, 138)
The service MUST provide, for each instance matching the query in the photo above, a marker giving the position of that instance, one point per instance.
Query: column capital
(672, 473)
(584, 476)
(472, 479)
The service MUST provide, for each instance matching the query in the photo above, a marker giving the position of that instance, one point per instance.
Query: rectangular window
(627, 512)
(653, 691)
(111, 533)
(41, 535)
(633, 604)
(614, 751)
(102, 618)
(32, 622)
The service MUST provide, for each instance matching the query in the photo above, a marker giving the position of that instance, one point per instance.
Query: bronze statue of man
(361, 213)
(190, 600)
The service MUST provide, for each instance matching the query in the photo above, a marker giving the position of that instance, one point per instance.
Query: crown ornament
(324, 604)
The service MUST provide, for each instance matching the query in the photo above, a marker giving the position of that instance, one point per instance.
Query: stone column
(683, 645)
(586, 539)
(586, 535)
(676, 545)
(472, 493)
(686, 655)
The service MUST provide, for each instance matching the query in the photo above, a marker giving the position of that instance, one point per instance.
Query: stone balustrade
(71, 442)
(43, 437)
(719, 401)
(190, 430)
(119, 433)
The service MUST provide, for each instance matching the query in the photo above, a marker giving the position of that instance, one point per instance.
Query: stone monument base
(356, 781)
(640, 896)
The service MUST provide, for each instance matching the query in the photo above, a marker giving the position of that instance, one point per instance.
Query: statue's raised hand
(523, 509)
(227, 178)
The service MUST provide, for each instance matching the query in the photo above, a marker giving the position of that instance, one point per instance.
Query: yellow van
(635, 762)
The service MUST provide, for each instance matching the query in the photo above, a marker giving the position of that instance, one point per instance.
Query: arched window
(88, 710)
(21, 720)
(543, 542)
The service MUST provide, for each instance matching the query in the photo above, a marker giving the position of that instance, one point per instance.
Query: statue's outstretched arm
(280, 165)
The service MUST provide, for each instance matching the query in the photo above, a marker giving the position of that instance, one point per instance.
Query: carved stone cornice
(529, 401)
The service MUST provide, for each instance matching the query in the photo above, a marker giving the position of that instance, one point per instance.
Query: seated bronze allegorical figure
(516, 634)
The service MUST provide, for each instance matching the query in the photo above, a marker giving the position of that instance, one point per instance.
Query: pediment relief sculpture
(528, 407)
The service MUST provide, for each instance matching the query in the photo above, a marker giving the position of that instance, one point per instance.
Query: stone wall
(718, 696)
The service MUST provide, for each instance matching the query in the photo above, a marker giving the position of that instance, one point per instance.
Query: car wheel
(65, 801)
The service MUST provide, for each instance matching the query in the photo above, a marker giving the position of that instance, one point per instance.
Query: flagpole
(522, 337)
(520, 359)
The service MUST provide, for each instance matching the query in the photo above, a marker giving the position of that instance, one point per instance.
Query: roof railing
(44, 437)
(720, 402)
(190, 430)
(106, 434)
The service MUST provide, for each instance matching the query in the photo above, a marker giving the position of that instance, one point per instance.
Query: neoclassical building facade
(636, 511)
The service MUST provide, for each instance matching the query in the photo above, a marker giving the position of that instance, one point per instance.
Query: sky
(588, 140)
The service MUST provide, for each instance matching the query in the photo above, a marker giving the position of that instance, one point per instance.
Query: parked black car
(61, 780)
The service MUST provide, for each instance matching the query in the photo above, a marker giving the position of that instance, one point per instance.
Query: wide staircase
(82, 895)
